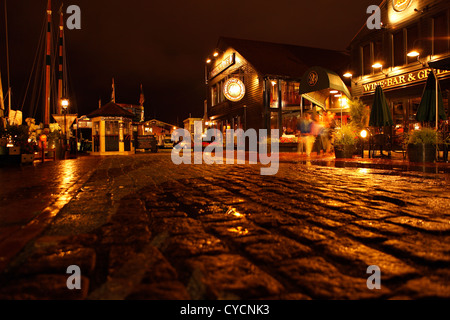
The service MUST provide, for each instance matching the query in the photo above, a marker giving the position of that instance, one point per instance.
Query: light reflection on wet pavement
(225, 231)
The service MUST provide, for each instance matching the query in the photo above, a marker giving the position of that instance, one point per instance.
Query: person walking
(306, 140)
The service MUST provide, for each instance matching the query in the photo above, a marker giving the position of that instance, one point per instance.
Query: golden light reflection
(235, 213)
(239, 230)
(67, 170)
(363, 170)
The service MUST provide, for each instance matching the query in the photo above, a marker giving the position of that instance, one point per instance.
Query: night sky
(164, 44)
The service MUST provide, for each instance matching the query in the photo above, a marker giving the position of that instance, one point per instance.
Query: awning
(318, 78)
(441, 64)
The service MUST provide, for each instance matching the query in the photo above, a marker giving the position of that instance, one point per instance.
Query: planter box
(421, 152)
(288, 147)
(344, 152)
(14, 151)
(27, 158)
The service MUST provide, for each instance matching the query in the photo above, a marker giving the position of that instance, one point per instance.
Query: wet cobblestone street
(140, 227)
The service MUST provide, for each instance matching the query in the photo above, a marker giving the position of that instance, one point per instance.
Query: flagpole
(48, 66)
(113, 97)
(60, 73)
(437, 99)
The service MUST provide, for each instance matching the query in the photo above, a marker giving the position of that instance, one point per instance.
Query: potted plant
(345, 141)
(28, 150)
(421, 145)
(18, 135)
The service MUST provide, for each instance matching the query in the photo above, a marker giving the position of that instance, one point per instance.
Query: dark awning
(318, 78)
(441, 64)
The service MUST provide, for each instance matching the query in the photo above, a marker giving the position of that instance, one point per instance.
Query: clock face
(400, 5)
(234, 89)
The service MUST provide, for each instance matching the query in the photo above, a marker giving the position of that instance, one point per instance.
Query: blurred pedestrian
(306, 140)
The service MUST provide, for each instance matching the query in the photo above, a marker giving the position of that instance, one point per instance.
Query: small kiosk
(112, 132)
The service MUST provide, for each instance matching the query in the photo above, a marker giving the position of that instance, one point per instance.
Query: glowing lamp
(363, 134)
(334, 91)
(413, 54)
(348, 75)
(377, 65)
(65, 103)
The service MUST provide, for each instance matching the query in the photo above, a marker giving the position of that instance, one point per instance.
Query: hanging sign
(402, 80)
(400, 5)
(234, 89)
(223, 65)
(313, 77)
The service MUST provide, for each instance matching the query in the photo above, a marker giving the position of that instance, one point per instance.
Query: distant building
(189, 124)
(161, 130)
(112, 130)
(137, 110)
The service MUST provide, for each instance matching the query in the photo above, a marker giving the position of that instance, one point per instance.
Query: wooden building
(254, 84)
(414, 34)
(112, 130)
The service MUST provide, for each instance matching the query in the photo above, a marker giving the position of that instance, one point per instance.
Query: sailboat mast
(60, 71)
(48, 66)
(7, 63)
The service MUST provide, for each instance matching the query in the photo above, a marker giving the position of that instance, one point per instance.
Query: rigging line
(7, 47)
(39, 46)
(40, 65)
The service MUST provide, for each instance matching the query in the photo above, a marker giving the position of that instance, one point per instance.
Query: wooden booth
(112, 132)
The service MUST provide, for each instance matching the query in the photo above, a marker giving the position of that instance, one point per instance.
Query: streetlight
(363, 135)
(65, 105)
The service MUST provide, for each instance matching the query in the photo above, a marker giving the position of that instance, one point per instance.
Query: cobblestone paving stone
(143, 228)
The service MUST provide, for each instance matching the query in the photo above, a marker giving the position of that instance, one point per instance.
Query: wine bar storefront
(399, 57)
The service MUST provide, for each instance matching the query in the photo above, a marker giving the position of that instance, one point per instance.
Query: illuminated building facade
(397, 56)
(254, 84)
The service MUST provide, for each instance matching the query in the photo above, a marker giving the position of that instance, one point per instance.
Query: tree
(360, 114)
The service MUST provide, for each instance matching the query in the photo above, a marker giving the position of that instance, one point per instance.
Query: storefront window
(214, 95)
(399, 49)
(290, 120)
(441, 34)
(412, 35)
(274, 120)
(112, 128)
(377, 51)
(290, 93)
(274, 93)
(366, 59)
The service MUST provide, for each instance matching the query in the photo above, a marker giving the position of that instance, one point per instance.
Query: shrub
(425, 135)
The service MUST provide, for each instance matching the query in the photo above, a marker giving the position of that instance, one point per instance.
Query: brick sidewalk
(143, 228)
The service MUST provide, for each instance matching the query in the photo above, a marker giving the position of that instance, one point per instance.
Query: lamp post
(363, 135)
(65, 105)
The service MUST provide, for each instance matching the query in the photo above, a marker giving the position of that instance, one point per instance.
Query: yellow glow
(239, 230)
(413, 54)
(377, 65)
(333, 91)
(348, 75)
(208, 61)
(65, 103)
(235, 213)
(215, 54)
(363, 134)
